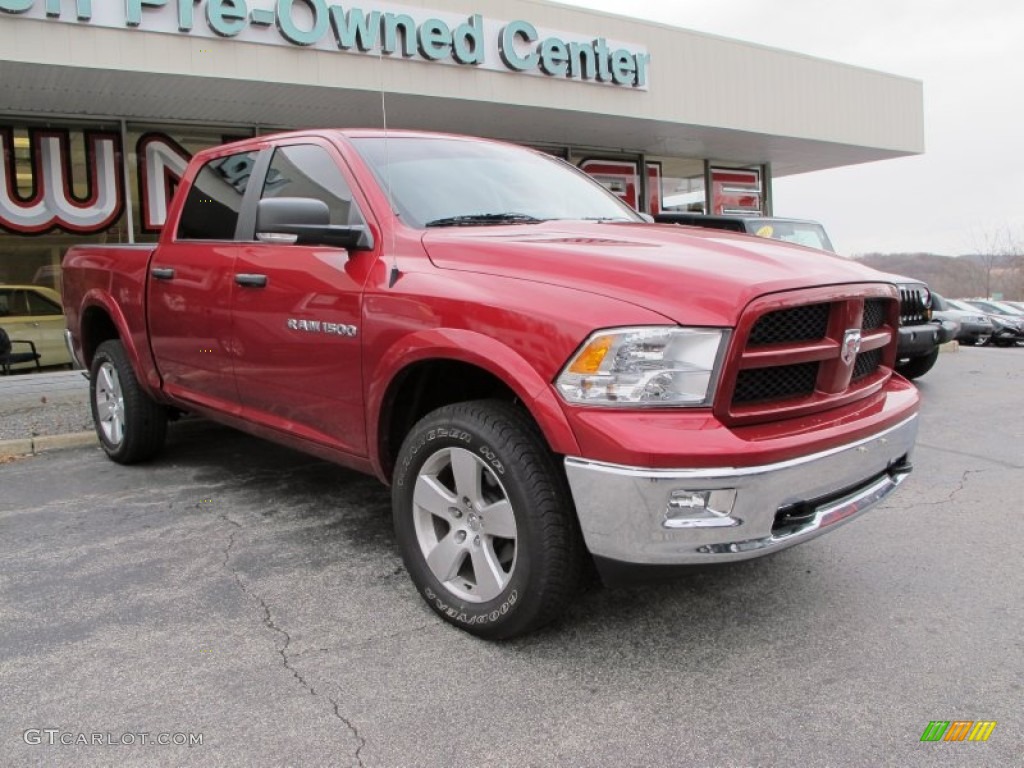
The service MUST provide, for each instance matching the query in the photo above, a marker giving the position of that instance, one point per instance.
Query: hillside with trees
(957, 277)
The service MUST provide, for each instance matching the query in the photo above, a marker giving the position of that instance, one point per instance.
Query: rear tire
(485, 521)
(130, 425)
(917, 366)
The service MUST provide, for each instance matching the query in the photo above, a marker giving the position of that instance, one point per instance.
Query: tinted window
(215, 198)
(306, 170)
(6, 303)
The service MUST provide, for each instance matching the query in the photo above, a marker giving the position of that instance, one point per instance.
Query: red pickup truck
(544, 378)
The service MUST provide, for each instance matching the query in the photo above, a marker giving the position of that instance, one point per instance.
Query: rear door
(190, 286)
(297, 318)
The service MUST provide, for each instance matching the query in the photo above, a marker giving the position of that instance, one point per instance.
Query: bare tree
(996, 253)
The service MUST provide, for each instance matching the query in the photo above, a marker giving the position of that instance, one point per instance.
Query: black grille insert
(805, 323)
(874, 314)
(866, 364)
(776, 383)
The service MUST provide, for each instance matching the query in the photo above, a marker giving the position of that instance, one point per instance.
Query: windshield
(995, 308)
(807, 233)
(444, 182)
(963, 306)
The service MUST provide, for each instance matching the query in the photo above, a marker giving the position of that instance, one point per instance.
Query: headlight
(653, 366)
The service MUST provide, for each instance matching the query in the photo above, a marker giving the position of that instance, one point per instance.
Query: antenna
(394, 274)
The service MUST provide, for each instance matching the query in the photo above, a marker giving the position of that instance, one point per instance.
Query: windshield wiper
(472, 219)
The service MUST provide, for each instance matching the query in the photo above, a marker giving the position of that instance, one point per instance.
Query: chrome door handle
(252, 281)
(162, 273)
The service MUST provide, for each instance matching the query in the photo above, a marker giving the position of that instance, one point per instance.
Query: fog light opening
(700, 509)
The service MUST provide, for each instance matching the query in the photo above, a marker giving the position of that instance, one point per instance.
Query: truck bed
(94, 272)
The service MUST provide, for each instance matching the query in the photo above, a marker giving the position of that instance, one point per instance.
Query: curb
(42, 443)
(32, 446)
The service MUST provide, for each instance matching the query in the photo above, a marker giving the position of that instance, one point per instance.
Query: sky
(965, 194)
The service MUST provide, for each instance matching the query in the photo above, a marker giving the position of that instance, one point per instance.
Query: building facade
(102, 102)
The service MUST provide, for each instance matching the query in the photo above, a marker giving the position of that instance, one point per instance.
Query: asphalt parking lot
(253, 597)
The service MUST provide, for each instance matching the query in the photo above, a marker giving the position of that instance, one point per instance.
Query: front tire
(484, 520)
(917, 366)
(130, 425)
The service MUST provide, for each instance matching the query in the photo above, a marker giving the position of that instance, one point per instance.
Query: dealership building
(102, 102)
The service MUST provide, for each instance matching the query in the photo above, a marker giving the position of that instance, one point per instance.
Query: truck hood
(692, 276)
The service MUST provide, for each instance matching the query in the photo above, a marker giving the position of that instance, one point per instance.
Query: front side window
(306, 170)
(435, 182)
(215, 198)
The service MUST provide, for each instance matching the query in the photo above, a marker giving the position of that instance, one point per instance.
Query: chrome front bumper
(692, 516)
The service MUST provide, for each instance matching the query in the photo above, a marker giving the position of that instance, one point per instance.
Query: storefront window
(682, 185)
(157, 157)
(61, 184)
(672, 183)
(737, 190)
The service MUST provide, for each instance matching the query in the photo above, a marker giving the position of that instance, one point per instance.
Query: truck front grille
(821, 349)
(913, 307)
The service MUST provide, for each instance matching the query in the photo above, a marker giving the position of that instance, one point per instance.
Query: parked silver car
(975, 326)
(1007, 327)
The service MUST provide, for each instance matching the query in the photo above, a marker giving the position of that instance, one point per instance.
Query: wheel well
(426, 386)
(97, 327)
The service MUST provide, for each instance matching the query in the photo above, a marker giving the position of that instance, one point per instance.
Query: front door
(297, 313)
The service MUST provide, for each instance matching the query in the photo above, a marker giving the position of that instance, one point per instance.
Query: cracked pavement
(254, 595)
(268, 620)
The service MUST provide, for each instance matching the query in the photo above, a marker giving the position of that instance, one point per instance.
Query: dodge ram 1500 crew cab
(542, 377)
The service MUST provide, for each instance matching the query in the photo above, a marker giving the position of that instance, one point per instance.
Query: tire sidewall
(918, 366)
(507, 611)
(145, 423)
(106, 353)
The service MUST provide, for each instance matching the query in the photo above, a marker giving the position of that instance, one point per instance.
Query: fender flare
(482, 351)
(142, 363)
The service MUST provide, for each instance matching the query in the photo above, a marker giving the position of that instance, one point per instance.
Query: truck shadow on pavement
(316, 521)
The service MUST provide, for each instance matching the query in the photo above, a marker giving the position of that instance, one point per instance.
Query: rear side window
(40, 305)
(306, 170)
(215, 198)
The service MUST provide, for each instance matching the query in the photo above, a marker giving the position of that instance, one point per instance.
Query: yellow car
(34, 313)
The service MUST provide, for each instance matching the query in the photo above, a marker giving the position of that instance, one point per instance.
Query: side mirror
(306, 221)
